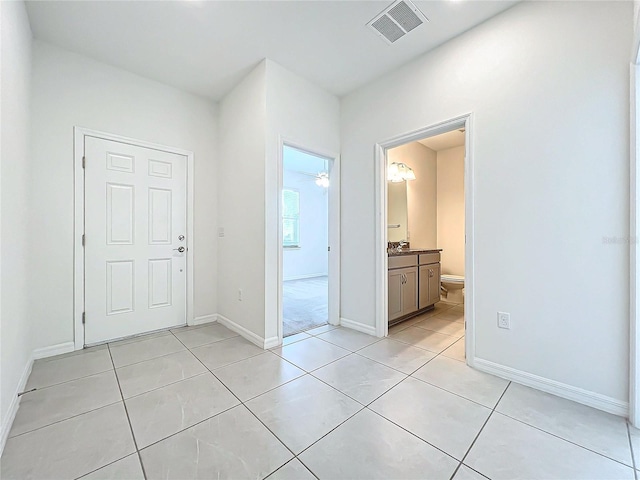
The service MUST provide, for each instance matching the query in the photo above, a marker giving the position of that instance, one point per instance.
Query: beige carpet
(305, 304)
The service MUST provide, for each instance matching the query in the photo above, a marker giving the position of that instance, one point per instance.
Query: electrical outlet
(504, 320)
(221, 231)
(239, 294)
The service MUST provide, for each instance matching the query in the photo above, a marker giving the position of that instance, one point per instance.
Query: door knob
(180, 249)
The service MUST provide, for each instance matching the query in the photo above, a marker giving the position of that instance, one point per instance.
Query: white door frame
(462, 121)
(79, 135)
(634, 232)
(334, 229)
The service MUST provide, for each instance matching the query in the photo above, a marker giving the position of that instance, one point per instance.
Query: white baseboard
(53, 350)
(204, 319)
(360, 327)
(7, 420)
(302, 277)
(248, 334)
(271, 342)
(585, 397)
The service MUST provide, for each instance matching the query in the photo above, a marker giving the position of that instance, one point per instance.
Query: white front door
(135, 239)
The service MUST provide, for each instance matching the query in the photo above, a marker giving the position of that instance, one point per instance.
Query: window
(290, 218)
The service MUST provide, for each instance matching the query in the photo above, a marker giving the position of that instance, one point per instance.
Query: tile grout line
(73, 379)
(296, 456)
(287, 463)
(355, 352)
(393, 368)
(572, 442)
(411, 433)
(66, 418)
(350, 352)
(126, 411)
(367, 407)
(311, 374)
(167, 385)
(449, 391)
(107, 465)
(114, 369)
(523, 422)
(170, 353)
(241, 403)
(633, 458)
(480, 431)
(190, 426)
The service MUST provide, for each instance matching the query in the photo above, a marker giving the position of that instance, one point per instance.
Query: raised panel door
(396, 280)
(410, 290)
(135, 221)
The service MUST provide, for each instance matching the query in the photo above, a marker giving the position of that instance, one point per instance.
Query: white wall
(302, 113)
(548, 84)
(71, 90)
(241, 200)
(450, 200)
(269, 105)
(312, 256)
(421, 192)
(15, 155)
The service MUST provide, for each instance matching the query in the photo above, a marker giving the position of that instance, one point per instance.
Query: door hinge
(84, 317)
(328, 249)
(83, 239)
(84, 161)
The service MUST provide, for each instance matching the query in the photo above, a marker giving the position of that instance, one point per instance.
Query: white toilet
(452, 288)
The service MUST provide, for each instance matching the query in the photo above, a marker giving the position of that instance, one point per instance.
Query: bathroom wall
(450, 187)
(421, 192)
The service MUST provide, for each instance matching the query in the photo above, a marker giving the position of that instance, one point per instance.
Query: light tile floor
(202, 402)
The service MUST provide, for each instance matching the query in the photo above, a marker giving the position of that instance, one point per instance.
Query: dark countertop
(414, 251)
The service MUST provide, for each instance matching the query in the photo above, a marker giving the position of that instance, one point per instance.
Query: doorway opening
(305, 240)
(424, 238)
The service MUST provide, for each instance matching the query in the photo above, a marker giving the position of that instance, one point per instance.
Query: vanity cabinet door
(434, 282)
(410, 290)
(396, 282)
(429, 284)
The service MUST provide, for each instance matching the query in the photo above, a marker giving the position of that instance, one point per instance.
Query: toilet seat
(452, 278)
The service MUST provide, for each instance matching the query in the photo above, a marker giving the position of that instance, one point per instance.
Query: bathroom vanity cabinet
(414, 283)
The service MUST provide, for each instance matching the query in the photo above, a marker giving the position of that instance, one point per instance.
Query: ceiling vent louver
(398, 19)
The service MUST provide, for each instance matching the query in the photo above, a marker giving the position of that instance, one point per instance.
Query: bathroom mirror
(397, 213)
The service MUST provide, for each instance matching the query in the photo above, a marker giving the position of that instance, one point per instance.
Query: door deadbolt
(179, 249)
(180, 237)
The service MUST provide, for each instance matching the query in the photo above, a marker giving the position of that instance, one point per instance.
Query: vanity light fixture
(400, 172)
(322, 180)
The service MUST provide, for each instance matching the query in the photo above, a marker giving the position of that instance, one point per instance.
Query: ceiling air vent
(397, 20)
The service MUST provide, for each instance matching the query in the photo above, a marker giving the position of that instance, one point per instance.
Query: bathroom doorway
(305, 201)
(424, 239)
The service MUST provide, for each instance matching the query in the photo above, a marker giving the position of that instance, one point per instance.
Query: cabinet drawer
(429, 258)
(403, 261)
